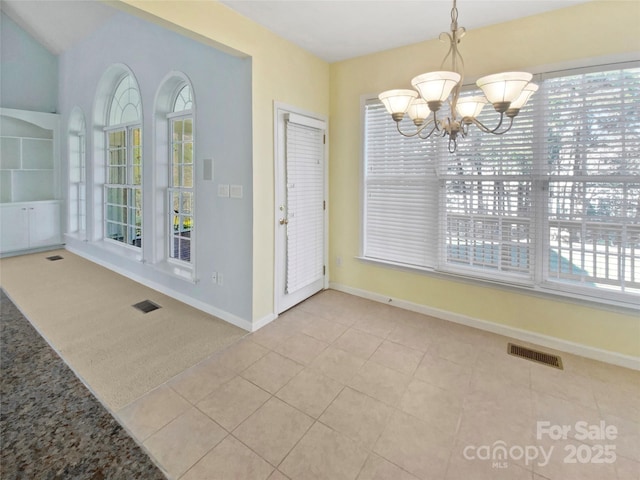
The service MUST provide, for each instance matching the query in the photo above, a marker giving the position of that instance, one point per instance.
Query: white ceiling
(336, 30)
(333, 30)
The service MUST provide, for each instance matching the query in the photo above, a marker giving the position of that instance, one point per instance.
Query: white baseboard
(264, 321)
(216, 312)
(517, 333)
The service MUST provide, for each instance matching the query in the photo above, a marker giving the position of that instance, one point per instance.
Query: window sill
(121, 249)
(536, 291)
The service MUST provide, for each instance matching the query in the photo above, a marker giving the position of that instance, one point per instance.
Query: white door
(300, 207)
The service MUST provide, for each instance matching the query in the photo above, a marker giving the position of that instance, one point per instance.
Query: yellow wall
(588, 30)
(281, 72)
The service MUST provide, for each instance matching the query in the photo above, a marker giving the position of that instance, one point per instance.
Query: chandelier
(508, 92)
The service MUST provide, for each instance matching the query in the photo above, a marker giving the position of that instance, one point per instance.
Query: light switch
(207, 166)
(236, 191)
(223, 190)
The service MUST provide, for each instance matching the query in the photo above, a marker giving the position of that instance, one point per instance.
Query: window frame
(124, 100)
(130, 187)
(78, 182)
(172, 117)
(540, 282)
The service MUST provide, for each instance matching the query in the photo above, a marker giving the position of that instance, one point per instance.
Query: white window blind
(592, 128)
(401, 193)
(305, 209)
(488, 199)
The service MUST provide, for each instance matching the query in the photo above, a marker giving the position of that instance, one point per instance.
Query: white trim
(28, 251)
(555, 343)
(181, 113)
(177, 270)
(267, 319)
(284, 109)
(532, 290)
(216, 312)
(318, 124)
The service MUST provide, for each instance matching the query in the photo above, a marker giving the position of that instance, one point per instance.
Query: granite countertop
(51, 425)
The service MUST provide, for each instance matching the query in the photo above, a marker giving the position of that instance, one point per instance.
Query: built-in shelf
(30, 209)
(28, 159)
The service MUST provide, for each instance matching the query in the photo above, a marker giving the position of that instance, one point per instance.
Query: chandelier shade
(501, 88)
(470, 107)
(397, 101)
(527, 91)
(418, 110)
(508, 93)
(436, 86)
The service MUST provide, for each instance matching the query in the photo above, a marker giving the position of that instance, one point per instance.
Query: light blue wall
(28, 71)
(222, 87)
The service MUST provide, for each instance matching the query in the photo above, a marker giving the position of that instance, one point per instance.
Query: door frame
(279, 146)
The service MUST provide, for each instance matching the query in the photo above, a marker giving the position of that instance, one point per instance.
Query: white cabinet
(29, 225)
(30, 209)
(14, 228)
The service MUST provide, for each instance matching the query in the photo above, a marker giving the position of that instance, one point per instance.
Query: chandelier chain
(454, 17)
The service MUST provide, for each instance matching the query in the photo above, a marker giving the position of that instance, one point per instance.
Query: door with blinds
(300, 208)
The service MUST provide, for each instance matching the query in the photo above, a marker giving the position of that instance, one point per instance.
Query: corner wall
(590, 30)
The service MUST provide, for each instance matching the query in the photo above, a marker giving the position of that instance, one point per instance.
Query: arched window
(181, 182)
(77, 174)
(184, 100)
(123, 186)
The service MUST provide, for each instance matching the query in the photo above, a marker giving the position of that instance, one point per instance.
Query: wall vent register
(146, 306)
(535, 356)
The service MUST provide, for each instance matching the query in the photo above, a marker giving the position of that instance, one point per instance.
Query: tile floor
(344, 388)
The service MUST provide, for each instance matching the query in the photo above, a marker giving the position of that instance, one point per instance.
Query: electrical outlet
(219, 279)
(338, 261)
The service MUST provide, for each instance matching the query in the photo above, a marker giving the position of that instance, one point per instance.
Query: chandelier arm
(419, 129)
(494, 131)
(452, 142)
(434, 129)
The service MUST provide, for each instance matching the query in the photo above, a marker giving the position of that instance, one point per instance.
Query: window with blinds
(488, 201)
(401, 193)
(592, 149)
(553, 203)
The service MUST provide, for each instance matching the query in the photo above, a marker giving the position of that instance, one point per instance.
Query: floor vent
(146, 306)
(535, 356)
(54, 258)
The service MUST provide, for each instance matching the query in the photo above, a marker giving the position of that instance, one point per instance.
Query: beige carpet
(84, 311)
